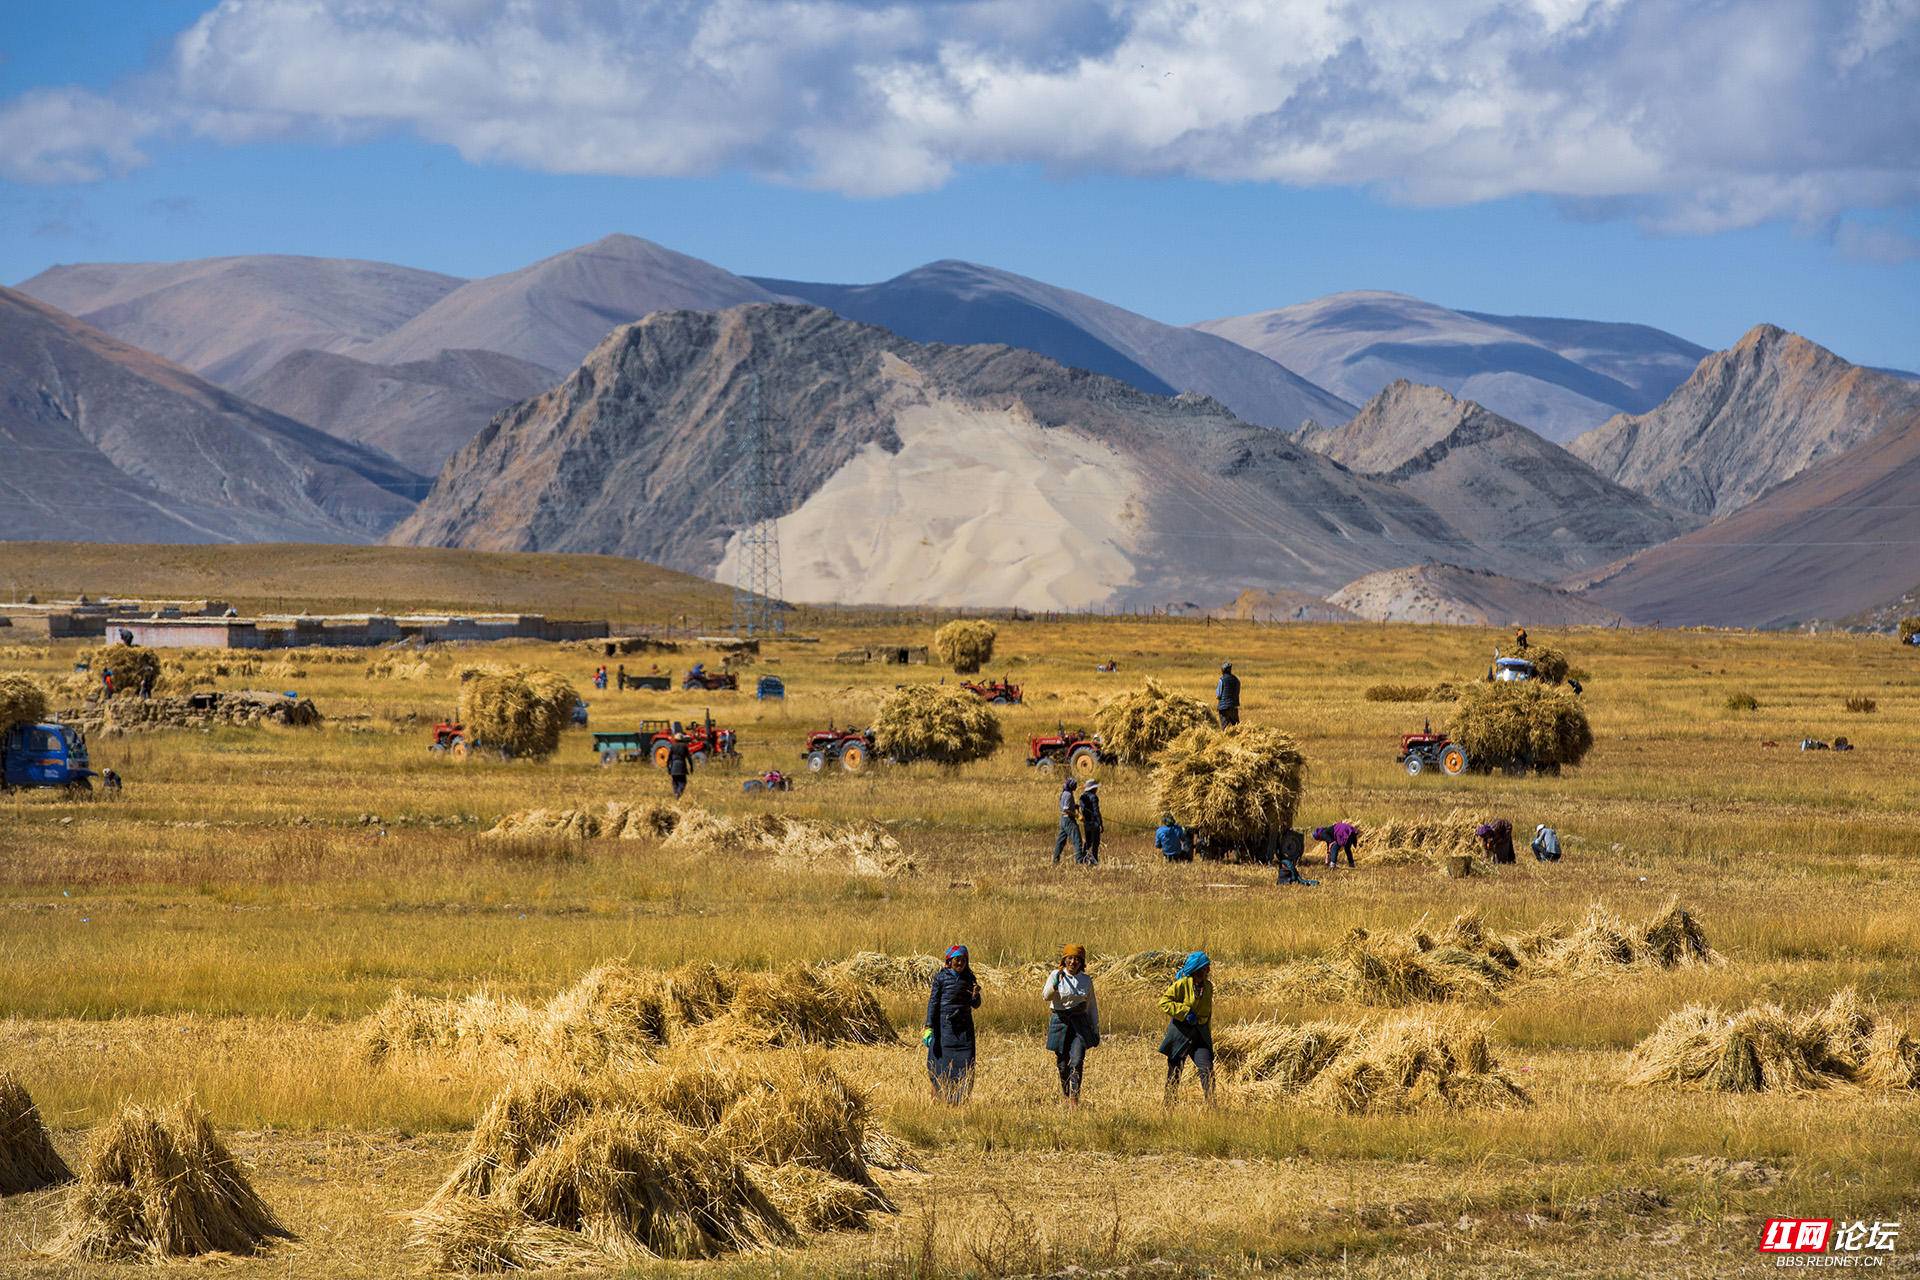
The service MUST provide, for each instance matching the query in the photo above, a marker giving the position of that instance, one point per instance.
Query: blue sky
(156, 130)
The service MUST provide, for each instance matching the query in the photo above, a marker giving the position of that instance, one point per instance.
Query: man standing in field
(1226, 695)
(679, 765)
(1069, 826)
(1091, 824)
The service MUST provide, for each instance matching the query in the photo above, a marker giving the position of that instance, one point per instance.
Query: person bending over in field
(1073, 1024)
(1496, 838)
(1188, 1004)
(1339, 838)
(949, 1033)
(1546, 844)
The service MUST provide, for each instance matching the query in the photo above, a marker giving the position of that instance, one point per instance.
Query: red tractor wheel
(1045, 764)
(661, 750)
(1453, 761)
(1084, 761)
(853, 757)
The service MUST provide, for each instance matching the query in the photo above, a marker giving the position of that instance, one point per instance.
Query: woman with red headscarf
(1074, 1024)
(949, 1034)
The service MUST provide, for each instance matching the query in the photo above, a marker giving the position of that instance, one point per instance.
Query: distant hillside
(1841, 537)
(418, 413)
(555, 311)
(101, 440)
(279, 577)
(1254, 605)
(1558, 377)
(1500, 486)
(1750, 417)
(1447, 593)
(963, 303)
(229, 319)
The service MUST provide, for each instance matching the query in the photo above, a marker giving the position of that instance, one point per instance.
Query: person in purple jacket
(1339, 838)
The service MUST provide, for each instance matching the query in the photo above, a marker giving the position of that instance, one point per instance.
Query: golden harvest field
(225, 926)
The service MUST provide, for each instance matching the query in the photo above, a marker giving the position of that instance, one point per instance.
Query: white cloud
(1696, 114)
(68, 135)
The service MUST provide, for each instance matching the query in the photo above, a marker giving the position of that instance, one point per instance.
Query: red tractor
(701, 678)
(450, 737)
(851, 749)
(1429, 750)
(1001, 691)
(1074, 749)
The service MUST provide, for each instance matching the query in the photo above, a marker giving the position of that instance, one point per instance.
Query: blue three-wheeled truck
(45, 755)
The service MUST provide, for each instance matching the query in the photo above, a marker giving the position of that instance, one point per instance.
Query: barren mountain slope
(418, 413)
(961, 302)
(914, 473)
(100, 440)
(1750, 417)
(228, 319)
(1447, 593)
(557, 310)
(1498, 484)
(1558, 377)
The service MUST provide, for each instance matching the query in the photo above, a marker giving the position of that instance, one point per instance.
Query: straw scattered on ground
(28, 1161)
(965, 644)
(857, 848)
(1134, 726)
(1415, 1062)
(940, 723)
(1236, 784)
(1520, 725)
(160, 1184)
(699, 1160)
(1421, 840)
(1846, 1042)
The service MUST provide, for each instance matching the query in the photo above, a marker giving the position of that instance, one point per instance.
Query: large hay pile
(21, 701)
(1236, 784)
(1416, 1062)
(162, 1185)
(1549, 664)
(966, 645)
(694, 1161)
(1412, 841)
(935, 722)
(1134, 726)
(28, 1161)
(1764, 1048)
(129, 663)
(1909, 627)
(522, 712)
(1520, 725)
(618, 1016)
(1468, 963)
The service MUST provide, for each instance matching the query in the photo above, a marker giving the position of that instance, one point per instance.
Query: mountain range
(961, 434)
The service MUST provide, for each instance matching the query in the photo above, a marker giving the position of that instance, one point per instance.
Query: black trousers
(1229, 715)
(1091, 843)
(679, 784)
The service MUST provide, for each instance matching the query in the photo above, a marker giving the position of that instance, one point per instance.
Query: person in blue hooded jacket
(949, 1034)
(1226, 695)
(1188, 1004)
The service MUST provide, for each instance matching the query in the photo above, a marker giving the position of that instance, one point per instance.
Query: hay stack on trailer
(21, 701)
(966, 644)
(934, 722)
(1239, 785)
(520, 712)
(1520, 725)
(1135, 726)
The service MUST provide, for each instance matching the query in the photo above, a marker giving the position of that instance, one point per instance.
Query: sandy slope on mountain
(1447, 593)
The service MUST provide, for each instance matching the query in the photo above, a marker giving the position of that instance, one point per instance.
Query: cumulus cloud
(69, 135)
(1695, 114)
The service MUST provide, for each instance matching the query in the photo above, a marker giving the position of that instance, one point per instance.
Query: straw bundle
(690, 1162)
(130, 665)
(1520, 725)
(1909, 627)
(612, 1016)
(1411, 1063)
(522, 712)
(935, 722)
(1134, 726)
(1412, 841)
(894, 973)
(573, 824)
(21, 701)
(1603, 943)
(860, 848)
(653, 820)
(1754, 1050)
(1236, 784)
(1549, 664)
(1397, 971)
(161, 1185)
(803, 1006)
(477, 1023)
(28, 1161)
(965, 644)
(1151, 966)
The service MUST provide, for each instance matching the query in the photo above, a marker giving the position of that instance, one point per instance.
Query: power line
(757, 587)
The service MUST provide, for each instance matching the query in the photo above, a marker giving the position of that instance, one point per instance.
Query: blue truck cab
(45, 755)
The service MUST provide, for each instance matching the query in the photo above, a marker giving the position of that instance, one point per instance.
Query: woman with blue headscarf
(1188, 1004)
(949, 1034)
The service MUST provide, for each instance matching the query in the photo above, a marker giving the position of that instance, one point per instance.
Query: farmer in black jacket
(1226, 695)
(1091, 824)
(679, 765)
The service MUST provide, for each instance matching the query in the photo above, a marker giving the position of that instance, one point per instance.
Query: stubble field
(220, 928)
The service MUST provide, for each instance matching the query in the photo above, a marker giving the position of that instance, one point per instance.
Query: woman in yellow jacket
(1188, 1004)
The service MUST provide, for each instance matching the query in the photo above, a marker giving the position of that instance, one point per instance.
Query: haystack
(161, 1185)
(21, 701)
(1134, 726)
(803, 1005)
(28, 1161)
(1399, 970)
(1415, 1062)
(1909, 627)
(1414, 841)
(1237, 784)
(859, 848)
(936, 722)
(894, 973)
(1764, 1048)
(572, 824)
(1521, 725)
(480, 1023)
(695, 1161)
(129, 663)
(1549, 664)
(1603, 943)
(966, 644)
(522, 712)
